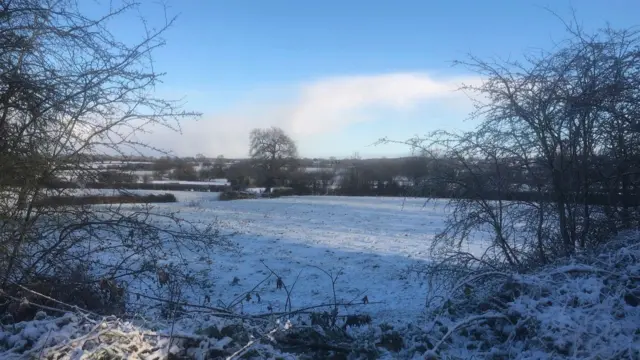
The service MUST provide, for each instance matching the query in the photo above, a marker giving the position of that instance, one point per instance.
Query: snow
(369, 243)
(256, 190)
(318, 169)
(580, 308)
(216, 182)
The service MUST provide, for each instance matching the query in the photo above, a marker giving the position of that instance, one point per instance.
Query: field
(586, 307)
(372, 243)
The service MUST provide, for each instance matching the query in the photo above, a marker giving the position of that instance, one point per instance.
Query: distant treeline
(53, 201)
(393, 190)
(595, 199)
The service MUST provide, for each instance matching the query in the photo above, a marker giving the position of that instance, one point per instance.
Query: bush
(584, 307)
(236, 195)
(73, 288)
(55, 201)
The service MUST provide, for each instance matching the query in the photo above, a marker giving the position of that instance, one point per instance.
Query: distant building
(212, 182)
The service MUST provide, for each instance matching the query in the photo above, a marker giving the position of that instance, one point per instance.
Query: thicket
(70, 91)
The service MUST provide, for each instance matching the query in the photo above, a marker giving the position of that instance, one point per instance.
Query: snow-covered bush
(586, 307)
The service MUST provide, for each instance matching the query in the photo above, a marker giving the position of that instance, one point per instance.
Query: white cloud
(218, 134)
(319, 107)
(332, 103)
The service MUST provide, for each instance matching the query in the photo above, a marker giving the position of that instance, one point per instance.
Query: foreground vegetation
(70, 91)
(585, 308)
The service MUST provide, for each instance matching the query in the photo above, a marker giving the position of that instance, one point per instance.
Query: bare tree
(552, 166)
(273, 152)
(558, 115)
(70, 93)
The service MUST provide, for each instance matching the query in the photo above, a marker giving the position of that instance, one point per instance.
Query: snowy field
(371, 242)
(587, 307)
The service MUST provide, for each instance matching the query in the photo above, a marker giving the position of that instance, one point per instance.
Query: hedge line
(104, 199)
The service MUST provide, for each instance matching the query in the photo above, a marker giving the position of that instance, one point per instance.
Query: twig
(302, 310)
(245, 348)
(46, 340)
(291, 290)
(284, 286)
(358, 296)
(73, 307)
(238, 299)
(221, 310)
(81, 339)
(43, 307)
(333, 288)
(187, 337)
(174, 290)
(224, 315)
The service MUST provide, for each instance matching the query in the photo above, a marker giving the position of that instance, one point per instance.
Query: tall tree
(273, 152)
(219, 167)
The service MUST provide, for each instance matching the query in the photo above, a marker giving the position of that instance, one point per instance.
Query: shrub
(236, 195)
(484, 307)
(73, 288)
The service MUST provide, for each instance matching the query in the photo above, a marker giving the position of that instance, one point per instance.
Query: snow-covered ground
(583, 308)
(371, 242)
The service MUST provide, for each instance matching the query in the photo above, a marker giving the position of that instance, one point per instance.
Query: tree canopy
(273, 152)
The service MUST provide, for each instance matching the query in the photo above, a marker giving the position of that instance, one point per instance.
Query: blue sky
(338, 75)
